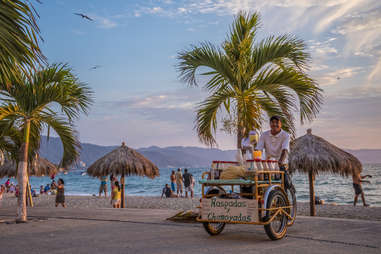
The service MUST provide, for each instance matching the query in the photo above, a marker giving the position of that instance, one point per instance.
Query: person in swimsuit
(179, 183)
(103, 186)
(60, 197)
(357, 186)
(173, 181)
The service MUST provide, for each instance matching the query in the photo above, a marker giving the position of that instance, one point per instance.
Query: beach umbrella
(313, 155)
(123, 161)
(38, 167)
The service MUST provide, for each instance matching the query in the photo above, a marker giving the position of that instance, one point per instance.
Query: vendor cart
(258, 198)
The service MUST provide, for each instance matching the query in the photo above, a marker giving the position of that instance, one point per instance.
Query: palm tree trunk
(22, 175)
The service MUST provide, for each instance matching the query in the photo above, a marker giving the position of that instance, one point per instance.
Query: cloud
(376, 72)
(105, 23)
(331, 78)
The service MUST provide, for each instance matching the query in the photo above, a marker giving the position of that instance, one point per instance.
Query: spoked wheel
(277, 228)
(214, 228)
(292, 199)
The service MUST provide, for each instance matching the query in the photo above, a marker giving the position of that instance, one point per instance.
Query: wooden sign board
(229, 210)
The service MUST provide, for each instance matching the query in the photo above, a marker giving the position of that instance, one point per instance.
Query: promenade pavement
(69, 230)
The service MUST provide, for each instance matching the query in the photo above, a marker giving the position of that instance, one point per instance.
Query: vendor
(275, 142)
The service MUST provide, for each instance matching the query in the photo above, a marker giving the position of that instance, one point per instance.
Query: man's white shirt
(274, 144)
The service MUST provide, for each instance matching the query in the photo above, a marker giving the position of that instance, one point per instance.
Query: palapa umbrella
(38, 167)
(313, 155)
(123, 161)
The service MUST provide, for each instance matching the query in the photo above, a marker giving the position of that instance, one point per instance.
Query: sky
(139, 98)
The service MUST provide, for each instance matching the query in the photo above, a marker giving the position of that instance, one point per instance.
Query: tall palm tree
(248, 80)
(51, 98)
(19, 35)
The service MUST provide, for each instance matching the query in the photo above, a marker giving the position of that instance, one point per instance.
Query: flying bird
(84, 16)
(338, 78)
(95, 67)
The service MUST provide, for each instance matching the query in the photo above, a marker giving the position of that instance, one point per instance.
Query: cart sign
(229, 210)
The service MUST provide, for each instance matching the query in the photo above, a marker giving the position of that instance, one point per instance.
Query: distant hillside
(174, 156)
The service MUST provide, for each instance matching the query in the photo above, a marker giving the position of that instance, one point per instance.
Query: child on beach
(60, 197)
(357, 186)
(115, 195)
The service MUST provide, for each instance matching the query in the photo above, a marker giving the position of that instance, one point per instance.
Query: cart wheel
(292, 199)
(214, 228)
(278, 227)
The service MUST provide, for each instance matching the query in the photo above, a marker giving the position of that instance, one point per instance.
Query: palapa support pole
(122, 183)
(311, 179)
(29, 199)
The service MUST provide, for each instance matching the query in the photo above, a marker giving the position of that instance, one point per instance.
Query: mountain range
(170, 157)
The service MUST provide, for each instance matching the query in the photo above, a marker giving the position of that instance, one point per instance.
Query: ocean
(332, 189)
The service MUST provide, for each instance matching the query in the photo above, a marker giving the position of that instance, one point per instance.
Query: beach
(179, 204)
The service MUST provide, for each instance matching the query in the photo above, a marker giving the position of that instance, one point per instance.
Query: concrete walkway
(146, 231)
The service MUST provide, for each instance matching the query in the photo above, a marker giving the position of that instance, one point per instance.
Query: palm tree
(51, 98)
(248, 80)
(19, 35)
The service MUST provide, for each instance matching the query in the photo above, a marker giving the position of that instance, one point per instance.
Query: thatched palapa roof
(123, 161)
(311, 153)
(39, 167)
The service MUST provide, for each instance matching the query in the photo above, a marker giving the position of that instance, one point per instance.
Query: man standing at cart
(276, 143)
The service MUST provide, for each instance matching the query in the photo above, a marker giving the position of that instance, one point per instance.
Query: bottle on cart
(259, 166)
(265, 168)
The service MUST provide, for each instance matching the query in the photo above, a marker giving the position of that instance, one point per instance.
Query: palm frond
(206, 119)
(206, 55)
(282, 50)
(67, 135)
(19, 36)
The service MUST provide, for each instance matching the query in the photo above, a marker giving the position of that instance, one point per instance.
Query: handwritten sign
(229, 210)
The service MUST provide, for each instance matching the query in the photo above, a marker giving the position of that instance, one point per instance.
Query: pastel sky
(139, 98)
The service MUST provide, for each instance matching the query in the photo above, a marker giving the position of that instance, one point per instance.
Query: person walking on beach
(173, 180)
(357, 186)
(179, 182)
(60, 197)
(187, 183)
(103, 186)
(115, 195)
(276, 143)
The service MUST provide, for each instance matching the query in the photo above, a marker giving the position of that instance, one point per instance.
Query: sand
(149, 202)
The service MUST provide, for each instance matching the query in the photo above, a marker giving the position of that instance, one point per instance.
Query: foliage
(19, 35)
(248, 80)
(51, 98)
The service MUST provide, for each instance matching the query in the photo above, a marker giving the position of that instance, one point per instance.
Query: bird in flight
(84, 16)
(338, 78)
(95, 67)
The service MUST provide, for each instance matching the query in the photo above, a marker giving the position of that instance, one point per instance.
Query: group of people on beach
(53, 188)
(178, 180)
(115, 190)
